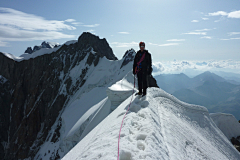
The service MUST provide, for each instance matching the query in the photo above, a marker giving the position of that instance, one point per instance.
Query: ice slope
(227, 123)
(157, 127)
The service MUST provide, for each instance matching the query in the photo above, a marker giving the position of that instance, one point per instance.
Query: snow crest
(158, 126)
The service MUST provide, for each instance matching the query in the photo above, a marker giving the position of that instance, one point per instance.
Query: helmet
(141, 44)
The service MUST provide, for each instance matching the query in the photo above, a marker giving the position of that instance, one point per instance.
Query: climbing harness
(136, 68)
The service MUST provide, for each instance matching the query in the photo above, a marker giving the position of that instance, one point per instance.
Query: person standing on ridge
(142, 66)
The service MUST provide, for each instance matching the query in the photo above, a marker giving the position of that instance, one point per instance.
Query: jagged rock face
(5, 97)
(44, 44)
(100, 46)
(29, 50)
(38, 89)
(128, 57)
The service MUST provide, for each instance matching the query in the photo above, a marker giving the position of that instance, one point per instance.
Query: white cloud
(19, 26)
(127, 45)
(168, 44)
(234, 14)
(123, 32)
(91, 25)
(15, 34)
(157, 67)
(176, 40)
(206, 37)
(233, 33)
(26, 21)
(218, 13)
(205, 19)
(194, 21)
(153, 44)
(164, 45)
(196, 33)
(76, 23)
(230, 39)
(70, 20)
(200, 30)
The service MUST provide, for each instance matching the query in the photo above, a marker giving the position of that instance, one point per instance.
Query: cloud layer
(19, 26)
(174, 67)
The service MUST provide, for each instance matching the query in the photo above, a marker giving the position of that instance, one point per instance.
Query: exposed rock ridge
(100, 46)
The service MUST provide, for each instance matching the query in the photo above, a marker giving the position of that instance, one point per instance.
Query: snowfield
(158, 126)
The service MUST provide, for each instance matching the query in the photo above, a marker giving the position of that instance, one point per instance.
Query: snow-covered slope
(157, 127)
(227, 123)
(88, 106)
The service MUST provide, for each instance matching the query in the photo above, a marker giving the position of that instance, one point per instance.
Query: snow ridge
(158, 126)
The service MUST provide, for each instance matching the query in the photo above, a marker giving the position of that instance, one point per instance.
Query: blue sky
(173, 29)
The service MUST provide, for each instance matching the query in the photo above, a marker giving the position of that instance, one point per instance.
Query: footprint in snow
(125, 155)
(135, 108)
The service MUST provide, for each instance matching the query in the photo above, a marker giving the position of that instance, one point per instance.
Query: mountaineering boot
(143, 95)
(137, 94)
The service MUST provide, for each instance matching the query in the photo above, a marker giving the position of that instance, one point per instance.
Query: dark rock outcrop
(152, 81)
(44, 44)
(33, 95)
(5, 97)
(29, 50)
(36, 48)
(100, 46)
(128, 57)
(236, 142)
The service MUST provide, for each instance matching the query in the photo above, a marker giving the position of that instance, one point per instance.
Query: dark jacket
(146, 64)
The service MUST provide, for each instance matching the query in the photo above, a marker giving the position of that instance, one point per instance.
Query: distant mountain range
(207, 89)
(44, 44)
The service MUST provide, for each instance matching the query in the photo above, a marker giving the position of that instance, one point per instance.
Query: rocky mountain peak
(44, 44)
(128, 57)
(100, 46)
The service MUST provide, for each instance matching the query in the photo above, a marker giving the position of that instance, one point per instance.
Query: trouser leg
(139, 77)
(144, 82)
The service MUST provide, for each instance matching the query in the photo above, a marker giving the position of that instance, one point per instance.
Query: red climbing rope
(124, 117)
(136, 71)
